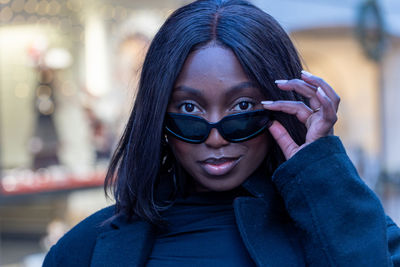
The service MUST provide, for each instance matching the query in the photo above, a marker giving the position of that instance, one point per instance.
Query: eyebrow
(231, 90)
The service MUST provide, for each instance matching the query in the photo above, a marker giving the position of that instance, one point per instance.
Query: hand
(319, 118)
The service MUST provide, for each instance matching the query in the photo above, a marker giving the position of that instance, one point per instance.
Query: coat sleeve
(50, 259)
(393, 235)
(341, 222)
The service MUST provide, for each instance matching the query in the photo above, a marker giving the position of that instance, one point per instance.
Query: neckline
(212, 197)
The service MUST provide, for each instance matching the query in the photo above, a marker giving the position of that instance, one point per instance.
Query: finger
(297, 85)
(297, 108)
(319, 82)
(327, 108)
(284, 140)
(302, 88)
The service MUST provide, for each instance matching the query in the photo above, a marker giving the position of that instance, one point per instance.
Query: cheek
(182, 151)
(257, 149)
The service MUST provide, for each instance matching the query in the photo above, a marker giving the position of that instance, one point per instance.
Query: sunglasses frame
(217, 125)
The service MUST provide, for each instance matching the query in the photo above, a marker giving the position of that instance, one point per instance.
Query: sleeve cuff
(317, 150)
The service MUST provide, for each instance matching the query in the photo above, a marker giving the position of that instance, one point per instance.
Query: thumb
(284, 140)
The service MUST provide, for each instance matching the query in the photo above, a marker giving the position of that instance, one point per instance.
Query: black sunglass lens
(187, 127)
(244, 125)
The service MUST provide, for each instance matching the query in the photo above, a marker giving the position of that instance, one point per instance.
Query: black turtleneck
(201, 231)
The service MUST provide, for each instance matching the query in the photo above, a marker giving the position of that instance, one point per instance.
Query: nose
(215, 139)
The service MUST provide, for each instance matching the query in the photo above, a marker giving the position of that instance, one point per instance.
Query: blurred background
(68, 75)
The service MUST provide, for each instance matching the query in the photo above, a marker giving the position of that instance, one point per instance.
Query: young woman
(229, 159)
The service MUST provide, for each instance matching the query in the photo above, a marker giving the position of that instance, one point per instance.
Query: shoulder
(80, 238)
(90, 227)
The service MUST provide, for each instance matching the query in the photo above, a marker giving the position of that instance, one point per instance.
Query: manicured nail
(267, 102)
(306, 73)
(281, 81)
(320, 91)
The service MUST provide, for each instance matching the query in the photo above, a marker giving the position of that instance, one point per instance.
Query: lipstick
(218, 167)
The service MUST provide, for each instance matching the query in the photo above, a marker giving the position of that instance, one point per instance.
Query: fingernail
(306, 73)
(320, 91)
(267, 102)
(281, 81)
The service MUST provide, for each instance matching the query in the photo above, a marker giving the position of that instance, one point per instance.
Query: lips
(219, 166)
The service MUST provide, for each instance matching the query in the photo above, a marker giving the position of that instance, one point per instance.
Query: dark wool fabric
(201, 231)
(315, 211)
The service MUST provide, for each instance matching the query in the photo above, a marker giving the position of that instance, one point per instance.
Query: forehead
(211, 67)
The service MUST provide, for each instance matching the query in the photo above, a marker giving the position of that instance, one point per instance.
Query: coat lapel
(127, 244)
(268, 238)
(265, 227)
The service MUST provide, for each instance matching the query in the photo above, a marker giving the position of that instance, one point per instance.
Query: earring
(166, 138)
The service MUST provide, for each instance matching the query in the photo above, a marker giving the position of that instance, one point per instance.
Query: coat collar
(264, 225)
(128, 243)
(259, 185)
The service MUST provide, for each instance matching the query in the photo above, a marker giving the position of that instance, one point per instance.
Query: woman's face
(212, 85)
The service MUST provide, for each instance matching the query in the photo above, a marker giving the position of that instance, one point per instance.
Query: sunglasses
(233, 128)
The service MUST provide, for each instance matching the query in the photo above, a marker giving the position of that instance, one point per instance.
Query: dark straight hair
(265, 53)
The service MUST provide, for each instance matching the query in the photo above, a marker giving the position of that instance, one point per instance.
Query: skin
(206, 88)
(319, 118)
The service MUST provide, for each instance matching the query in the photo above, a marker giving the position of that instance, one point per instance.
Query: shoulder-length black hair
(265, 53)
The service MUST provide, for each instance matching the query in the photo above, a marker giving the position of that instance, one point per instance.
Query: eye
(243, 106)
(188, 108)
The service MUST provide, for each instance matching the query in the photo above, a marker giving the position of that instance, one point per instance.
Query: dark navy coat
(315, 211)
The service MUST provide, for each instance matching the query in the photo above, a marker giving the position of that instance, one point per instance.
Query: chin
(217, 185)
